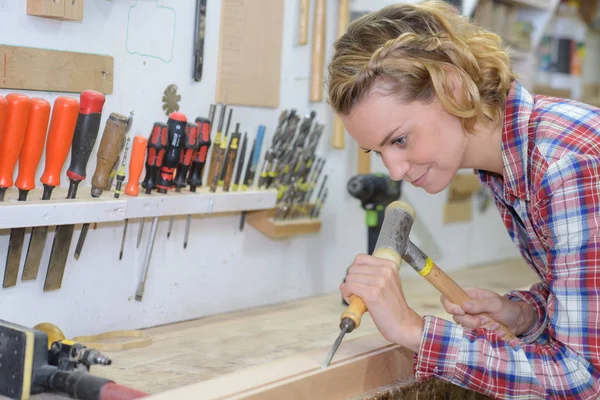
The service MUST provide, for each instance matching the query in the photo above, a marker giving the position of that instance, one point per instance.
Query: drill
(375, 191)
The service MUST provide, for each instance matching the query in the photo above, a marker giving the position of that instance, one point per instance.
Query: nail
(468, 305)
(484, 321)
(494, 327)
(458, 311)
(500, 333)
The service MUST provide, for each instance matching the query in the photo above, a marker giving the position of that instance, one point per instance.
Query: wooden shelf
(264, 222)
(85, 208)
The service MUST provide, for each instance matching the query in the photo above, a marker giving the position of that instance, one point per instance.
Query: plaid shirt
(549, 200)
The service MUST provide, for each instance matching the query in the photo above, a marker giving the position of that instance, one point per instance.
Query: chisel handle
(231, 156)
(3, 110)
(318, 52)
(357, 307)
(60, 136)
(14, 135)
(33, 147)
(86, 132)
(303, 23)
(108, 151)
(136, 164)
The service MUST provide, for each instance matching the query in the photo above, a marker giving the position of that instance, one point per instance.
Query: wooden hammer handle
(303, 26)
(455, 294)
(318, 53)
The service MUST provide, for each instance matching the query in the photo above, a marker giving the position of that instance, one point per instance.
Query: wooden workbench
(202, 349)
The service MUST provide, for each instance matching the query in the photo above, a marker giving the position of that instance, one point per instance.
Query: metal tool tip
(334, 348)
(76, 255)
(185, 246)
(120, 255)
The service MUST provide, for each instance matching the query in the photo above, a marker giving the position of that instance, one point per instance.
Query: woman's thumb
(473, 307)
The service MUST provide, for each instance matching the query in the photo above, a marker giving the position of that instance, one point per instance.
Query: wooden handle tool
(318, 52)
(303, 23)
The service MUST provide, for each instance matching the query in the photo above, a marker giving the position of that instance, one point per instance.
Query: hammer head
(398, 221)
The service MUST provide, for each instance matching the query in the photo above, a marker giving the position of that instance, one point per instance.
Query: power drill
(375, 191)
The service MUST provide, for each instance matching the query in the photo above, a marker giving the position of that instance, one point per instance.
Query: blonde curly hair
(418, 51)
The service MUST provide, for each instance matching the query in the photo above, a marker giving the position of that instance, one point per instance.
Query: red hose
(113, 391)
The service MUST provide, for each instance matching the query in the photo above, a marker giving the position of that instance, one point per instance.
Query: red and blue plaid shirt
(549, 200)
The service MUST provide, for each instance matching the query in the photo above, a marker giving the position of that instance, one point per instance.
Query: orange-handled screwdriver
(13, 138)
(136, 164)
(3, 109)
(58, 143)
(33, 146)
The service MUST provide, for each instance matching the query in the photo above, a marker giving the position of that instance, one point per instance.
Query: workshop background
(223, 269)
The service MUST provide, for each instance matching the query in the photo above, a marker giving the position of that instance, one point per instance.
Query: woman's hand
(377, 282)
(518, 316)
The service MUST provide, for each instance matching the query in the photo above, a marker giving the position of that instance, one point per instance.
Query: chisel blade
(13, 258)
(58, 257)
(34, 253)
(81, 241)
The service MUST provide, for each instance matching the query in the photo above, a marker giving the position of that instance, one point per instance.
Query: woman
(431, 93)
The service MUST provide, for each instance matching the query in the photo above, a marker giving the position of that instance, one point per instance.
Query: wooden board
(56, 9)
(263, 221)
(360, 365)
(30, 68)
(249, 66)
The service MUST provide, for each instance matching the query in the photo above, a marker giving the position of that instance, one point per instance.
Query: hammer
(393, 244)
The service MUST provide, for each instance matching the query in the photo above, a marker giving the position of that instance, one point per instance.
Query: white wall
(223, 269)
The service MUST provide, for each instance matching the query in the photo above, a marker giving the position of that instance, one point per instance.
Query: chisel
(216, 145)
(157, 144)
(231, 157)
(121, 171)
(251, 168)
(219, 157)
(240, 164)
(111, 143)
(132, 188)
(58, 143)
(13, 137)
(190, 145)
(197, 171)
(33, 146)
(84, 138)
(176, 123)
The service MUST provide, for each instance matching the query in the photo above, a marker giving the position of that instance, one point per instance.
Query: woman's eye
(401, 141)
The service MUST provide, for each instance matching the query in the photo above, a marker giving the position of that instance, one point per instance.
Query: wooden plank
(74, 10)
(31, 68)
(360, 365)
(263, 222)
(46, 8)
(249, 62)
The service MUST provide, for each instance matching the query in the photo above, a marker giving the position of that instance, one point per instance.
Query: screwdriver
(84, 138)
(156, 145)
(231, 156)
(197, 171)
(251, 168)
(58, 143)
(33, 146)
(240, 165)
(216, 145)
(219, 157)
(13, 137)
(132, 188)
(185, 161)
(113, 136)
(176, 123)
(121, 171)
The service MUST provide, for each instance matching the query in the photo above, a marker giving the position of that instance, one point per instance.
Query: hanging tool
(231, 156)
(190, 146)
(339, 132)
(177, 123)
(33, 147)
(200, 29)
(240, 164)
(318, 52)
(13, 137)
(394, 244)
(216, 145)
(219, 159)
(132, 188)
(303, 23)
(32, 363)
(84, 138)
(197, 171)
(121, 171)
(251, 168)
(111, 143)
(157, 145)
(58, 143)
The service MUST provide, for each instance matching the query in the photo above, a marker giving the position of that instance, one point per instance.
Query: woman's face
(420, 143)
